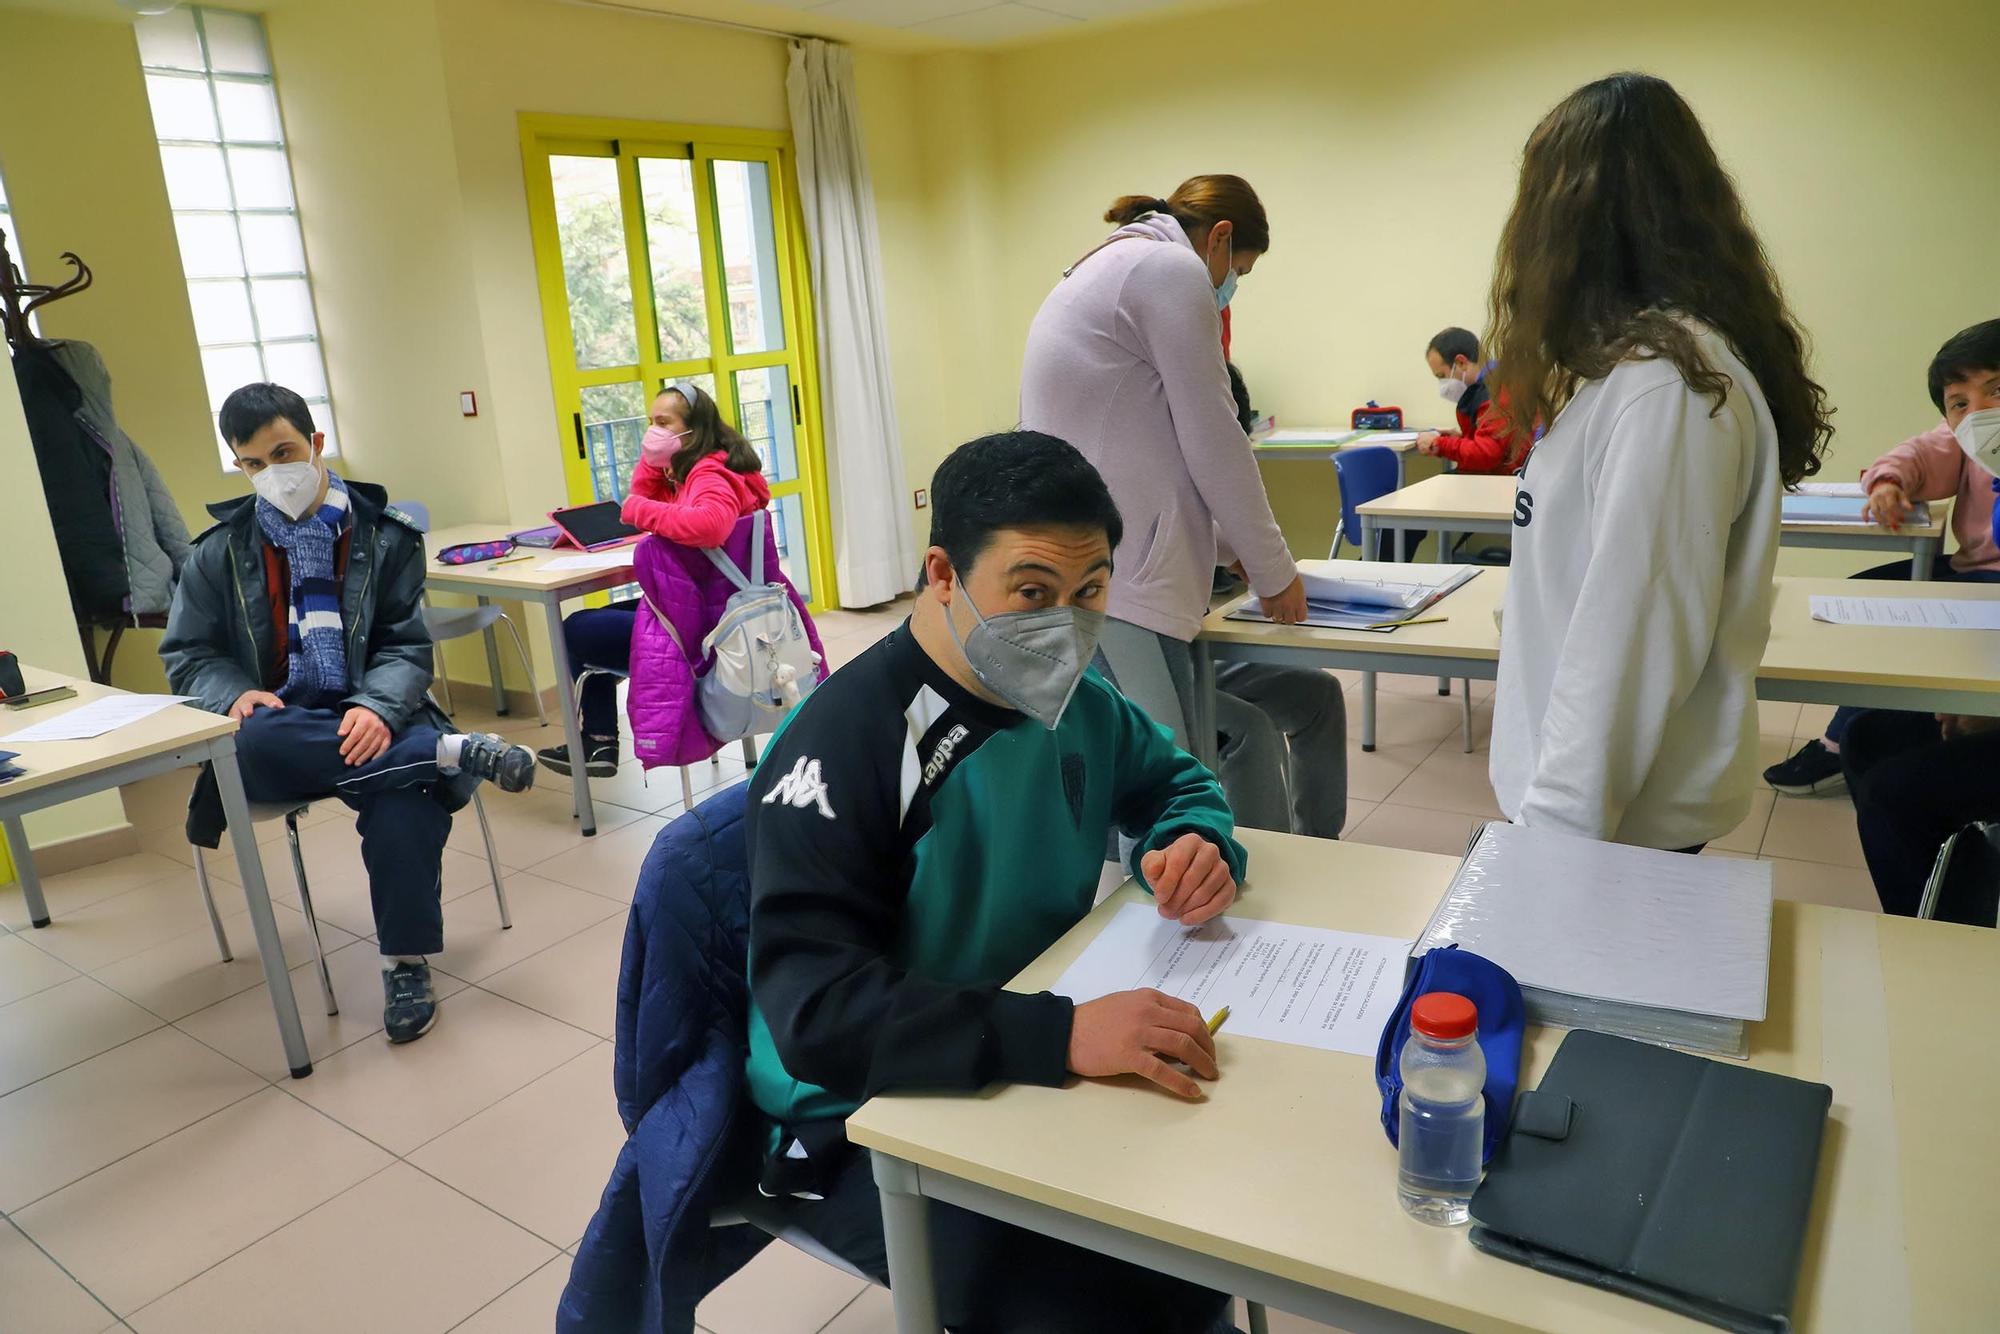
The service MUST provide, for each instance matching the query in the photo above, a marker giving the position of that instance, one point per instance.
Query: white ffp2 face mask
(1451, 388)
(290, 487)
(1979, 436)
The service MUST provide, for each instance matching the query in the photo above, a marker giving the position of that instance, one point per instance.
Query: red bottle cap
(1444, 1014)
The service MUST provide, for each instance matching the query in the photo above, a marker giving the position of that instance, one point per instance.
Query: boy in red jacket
(1483, 443)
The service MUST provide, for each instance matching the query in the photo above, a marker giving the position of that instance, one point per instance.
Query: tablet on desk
(592, 527)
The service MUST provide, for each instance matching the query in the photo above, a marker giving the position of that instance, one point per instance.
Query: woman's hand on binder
(1190, 881)
(1288, 607)
(1138, 1033)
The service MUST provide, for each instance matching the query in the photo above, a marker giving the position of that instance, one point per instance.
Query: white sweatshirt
(1638, 606)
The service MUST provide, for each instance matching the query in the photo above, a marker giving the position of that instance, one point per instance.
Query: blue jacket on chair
(650, 1255)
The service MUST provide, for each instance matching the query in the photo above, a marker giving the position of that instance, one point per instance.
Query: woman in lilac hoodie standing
(1125, 362)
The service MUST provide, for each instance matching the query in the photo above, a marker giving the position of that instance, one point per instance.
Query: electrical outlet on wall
(923, 497)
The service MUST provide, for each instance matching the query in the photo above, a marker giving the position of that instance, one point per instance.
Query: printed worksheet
(612, 559)
(1300, 984)
(97, 717)
(1909, 613)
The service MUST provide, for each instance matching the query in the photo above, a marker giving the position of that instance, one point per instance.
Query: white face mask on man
(289, 487)
(1979, 436)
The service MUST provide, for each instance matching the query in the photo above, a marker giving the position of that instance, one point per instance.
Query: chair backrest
(1366, 474)
(417, 510)
(1965, 883)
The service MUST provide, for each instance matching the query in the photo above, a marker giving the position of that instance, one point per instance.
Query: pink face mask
(660, 445)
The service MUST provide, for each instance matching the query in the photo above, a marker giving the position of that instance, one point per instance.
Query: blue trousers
(1941, 570)
(293, 754)
(600, 637)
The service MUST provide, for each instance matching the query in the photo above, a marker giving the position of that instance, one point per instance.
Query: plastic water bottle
(1443, 1114)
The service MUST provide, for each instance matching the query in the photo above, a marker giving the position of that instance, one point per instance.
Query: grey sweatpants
(1281, 731)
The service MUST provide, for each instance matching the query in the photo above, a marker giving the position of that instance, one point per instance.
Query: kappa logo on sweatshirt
(802, 787)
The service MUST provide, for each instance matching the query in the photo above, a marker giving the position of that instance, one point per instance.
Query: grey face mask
(1031, 659)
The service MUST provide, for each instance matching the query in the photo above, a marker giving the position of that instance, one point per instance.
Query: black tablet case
(1681, 1181)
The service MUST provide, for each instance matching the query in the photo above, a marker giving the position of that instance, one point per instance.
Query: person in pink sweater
(1926, 467)
(696, 476)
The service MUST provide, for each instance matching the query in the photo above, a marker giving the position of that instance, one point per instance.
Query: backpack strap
(720, 558)
(757, 548)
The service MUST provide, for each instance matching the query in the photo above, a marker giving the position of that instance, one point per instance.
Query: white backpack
(760, 660)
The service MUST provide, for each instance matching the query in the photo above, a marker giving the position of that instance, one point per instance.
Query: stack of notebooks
(1368, 594)
(1656, 946)
(1837, 505)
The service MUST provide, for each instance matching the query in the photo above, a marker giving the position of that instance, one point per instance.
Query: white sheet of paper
(1307, 435)
(613, 559)
(1917, 613)
(1299, 984)
(96, 718)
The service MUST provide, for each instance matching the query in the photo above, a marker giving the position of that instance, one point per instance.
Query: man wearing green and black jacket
(929, 821)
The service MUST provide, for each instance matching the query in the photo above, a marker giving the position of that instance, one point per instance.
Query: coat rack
(19, 298)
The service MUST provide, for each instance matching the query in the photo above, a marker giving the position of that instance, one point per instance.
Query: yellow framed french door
(666, 253)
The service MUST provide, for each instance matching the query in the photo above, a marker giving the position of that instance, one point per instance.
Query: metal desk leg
(906, 1232)
(572, 724)
(1446, 540)
(1201, 726)
(493, 663)
(24, 871)
(1368, 711)
(1923, 555)
(257, 895)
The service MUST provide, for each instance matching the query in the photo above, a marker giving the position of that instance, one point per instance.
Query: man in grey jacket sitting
(300, 613)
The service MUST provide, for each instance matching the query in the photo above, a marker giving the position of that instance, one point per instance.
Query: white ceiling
(976, 22)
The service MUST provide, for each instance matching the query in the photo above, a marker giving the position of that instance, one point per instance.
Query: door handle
(798, 412)
(576, 420)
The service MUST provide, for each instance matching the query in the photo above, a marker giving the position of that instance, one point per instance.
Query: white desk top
(518, 577)
(1285, 1168)
(1801, 649)
(51, 762)
(1491, 499)
(1322, 439)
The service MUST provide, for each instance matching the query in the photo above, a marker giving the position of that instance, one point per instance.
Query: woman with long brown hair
(1634, 309)
(1125, 362)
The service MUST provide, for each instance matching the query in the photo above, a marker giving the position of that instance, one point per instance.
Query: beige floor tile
(244, 1028)
(121, 926)
(529, 1307)
(1373, 775)
(61, 1025)
(1816, 882)
(1357, 811)
(544, 913)
(66, 1126)
(1813, 719)
(1749, 836)
(575, 980)
(1814, 829)
(39, 1297)
(24, 970)
(530, 827)
(400, 1251)
(1414, 687)
(781, 1291)
(343, 899)
(540, 1156)
(871, 1312)
(1775, 719)
(633, 787)
(607, 864)
(187, 973)
(1772, 750)
(483, 1048)
(152, 1221)
(1411, 720)
(1394, 826)
(1450, 780)
(72, 890)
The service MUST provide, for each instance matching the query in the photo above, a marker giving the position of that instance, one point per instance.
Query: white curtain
(875, 559)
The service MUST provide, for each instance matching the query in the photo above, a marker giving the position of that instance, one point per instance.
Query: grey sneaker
(494, 760)
(409, 1004)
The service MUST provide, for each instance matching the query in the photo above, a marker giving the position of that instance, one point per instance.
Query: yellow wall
(1842, 122)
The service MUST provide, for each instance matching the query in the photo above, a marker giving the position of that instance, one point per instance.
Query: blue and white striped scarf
(316, 644)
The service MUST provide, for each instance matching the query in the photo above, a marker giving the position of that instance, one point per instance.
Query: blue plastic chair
(1366, 474)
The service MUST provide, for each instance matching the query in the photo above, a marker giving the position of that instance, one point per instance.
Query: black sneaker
(1814, 770)
(603, 761)
(493, 759)
(409, 1007)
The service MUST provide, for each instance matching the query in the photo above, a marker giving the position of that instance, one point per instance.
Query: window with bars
(229, 182)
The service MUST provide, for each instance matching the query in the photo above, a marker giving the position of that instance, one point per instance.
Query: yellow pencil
(1427, 620)
(1216, 1022)
(509, 560)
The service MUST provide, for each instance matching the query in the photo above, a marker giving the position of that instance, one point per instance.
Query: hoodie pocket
(1159, 541)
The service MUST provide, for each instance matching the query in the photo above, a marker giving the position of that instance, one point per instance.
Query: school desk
(1281, 1187)
(1806, 661)
(173, 738)
(530, 581)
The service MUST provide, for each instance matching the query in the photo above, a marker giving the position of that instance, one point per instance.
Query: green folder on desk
(1680, 1181)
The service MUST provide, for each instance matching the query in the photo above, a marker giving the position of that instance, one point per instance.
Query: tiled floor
(160, 1173)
